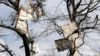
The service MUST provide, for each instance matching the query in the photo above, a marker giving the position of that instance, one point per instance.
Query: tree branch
(6, 49)
(23, 36)
(78, 4)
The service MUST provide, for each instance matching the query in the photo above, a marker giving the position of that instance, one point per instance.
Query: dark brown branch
(6, 49)
(74, 11)
(5, 3)
(78, 4)
(95, 5)
(23, 36)
(83, 37)
(12, 4)
(16, 5)
(86, 14)
(92, 21)
(91, 10)
(93, 27)
(86, 28)
(68, 8)
(79, 52)
(88, 5)
(96, 20)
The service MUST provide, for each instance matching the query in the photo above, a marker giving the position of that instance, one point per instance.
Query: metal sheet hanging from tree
(69, 29)
(25, 14)
(63, 44)
(22, 27)
(73, 36)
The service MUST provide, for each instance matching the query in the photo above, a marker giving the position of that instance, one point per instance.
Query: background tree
(79, 12)
(15, 5)
(81, 17)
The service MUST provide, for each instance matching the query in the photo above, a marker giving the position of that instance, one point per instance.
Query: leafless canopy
(78, 12)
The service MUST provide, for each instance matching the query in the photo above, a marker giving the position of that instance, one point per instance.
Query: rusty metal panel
(62, 44)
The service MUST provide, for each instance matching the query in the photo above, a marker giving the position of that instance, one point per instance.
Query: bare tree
(78, 12)
(14, 4)
(81, 18)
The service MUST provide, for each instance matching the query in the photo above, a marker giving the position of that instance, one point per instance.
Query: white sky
(45, 45)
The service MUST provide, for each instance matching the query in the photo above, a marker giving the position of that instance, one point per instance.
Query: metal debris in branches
(63, 44)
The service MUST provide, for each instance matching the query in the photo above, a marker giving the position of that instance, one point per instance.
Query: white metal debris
(69, 29)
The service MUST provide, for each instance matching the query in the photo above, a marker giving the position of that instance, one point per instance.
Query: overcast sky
(45, 45)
